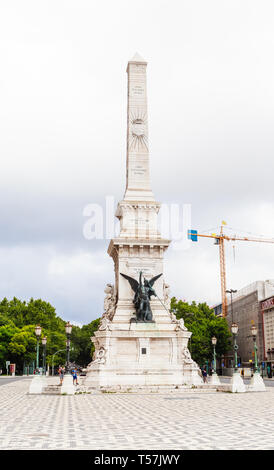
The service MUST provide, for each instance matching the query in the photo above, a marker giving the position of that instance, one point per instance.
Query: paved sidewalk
(178, 420)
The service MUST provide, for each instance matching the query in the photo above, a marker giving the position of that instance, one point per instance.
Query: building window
(144, 350)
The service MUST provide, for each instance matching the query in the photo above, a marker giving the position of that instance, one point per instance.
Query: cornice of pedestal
(133, 205)
(139, 242)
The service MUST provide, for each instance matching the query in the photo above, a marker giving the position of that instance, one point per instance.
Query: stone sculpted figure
(187, 358)
(109, 301)
(143, 292)
(166, 295)
(109, 307)
(105, 323)
(100, 356)
(181, 325)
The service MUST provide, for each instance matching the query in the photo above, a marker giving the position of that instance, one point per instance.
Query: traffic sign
(192, 235)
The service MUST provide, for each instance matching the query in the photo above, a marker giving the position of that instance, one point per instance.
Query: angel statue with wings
(143, 292)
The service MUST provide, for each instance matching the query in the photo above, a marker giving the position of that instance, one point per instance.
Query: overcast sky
(63, 101)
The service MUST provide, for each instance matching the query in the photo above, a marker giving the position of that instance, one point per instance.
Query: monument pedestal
(256, 383)
(142, 355)
(37, 384)
(237, 383)
(67, 386)
(214, 380)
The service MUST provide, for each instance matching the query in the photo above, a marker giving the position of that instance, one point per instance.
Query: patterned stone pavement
(178, 420)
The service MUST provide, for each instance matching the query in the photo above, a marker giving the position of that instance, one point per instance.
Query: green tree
(22, 346)
(17, 331)
(80, 338)
(17, 334)
(203, 323)
(7, 331)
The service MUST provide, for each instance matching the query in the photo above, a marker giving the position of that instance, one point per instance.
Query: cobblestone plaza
(171, 420)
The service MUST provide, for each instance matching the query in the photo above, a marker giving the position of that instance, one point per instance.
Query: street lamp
(214, 342)
(256, 383)
(68, 333)
(254, 335)
(44, 342)
(234, 330)
(38, 331)
(214, 378)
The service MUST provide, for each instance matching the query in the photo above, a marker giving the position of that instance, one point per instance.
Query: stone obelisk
(129, 353)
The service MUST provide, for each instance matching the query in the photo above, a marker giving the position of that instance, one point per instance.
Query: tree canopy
(17, 334)
(204, 324)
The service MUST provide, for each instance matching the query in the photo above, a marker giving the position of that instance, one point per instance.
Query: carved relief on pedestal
(100, 356)
(105, 323)
(181, 325)
(186, 359)
(109, 307)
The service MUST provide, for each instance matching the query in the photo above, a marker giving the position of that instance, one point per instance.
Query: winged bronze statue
(143, 292)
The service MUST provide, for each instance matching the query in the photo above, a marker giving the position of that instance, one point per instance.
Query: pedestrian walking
(204, 374)
(75, 377)
(61, 372)
(268, 372)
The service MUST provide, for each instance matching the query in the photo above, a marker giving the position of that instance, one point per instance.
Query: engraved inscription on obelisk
(138, 181)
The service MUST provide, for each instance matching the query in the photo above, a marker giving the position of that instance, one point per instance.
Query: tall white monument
(130, 353)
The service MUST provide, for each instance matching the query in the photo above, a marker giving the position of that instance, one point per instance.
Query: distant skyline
(63, 112)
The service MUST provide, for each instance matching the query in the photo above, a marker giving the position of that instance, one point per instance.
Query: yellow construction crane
(219, 240)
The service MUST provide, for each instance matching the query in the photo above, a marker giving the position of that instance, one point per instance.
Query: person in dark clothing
(204, 374)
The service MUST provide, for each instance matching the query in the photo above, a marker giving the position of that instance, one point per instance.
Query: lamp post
(38, 331)
(254, 335)
(44, 342)
(237, 383)
(37, 383)
(234, 330)
(214, 342)
(214, 378)
(67, 384)
(68, 333)
(256, 383)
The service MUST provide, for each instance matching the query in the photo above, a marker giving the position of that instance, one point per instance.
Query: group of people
(61, 372)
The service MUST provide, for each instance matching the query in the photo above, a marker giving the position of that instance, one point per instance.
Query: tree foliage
(204, 324)
(17, 334)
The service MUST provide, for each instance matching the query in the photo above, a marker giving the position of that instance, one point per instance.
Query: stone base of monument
(256, 383)
(116, 379)
(214, 379)
(142, 355)
(237, 383)
(37, 384)
(67, 387)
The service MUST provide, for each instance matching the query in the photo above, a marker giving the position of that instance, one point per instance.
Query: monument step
(204, 388)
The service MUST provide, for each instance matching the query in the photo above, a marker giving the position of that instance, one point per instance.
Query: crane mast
(223, 273)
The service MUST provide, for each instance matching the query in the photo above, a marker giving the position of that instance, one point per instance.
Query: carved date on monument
(137, 90)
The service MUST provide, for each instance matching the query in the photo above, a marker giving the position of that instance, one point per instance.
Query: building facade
(252, 305)
(267, 313)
